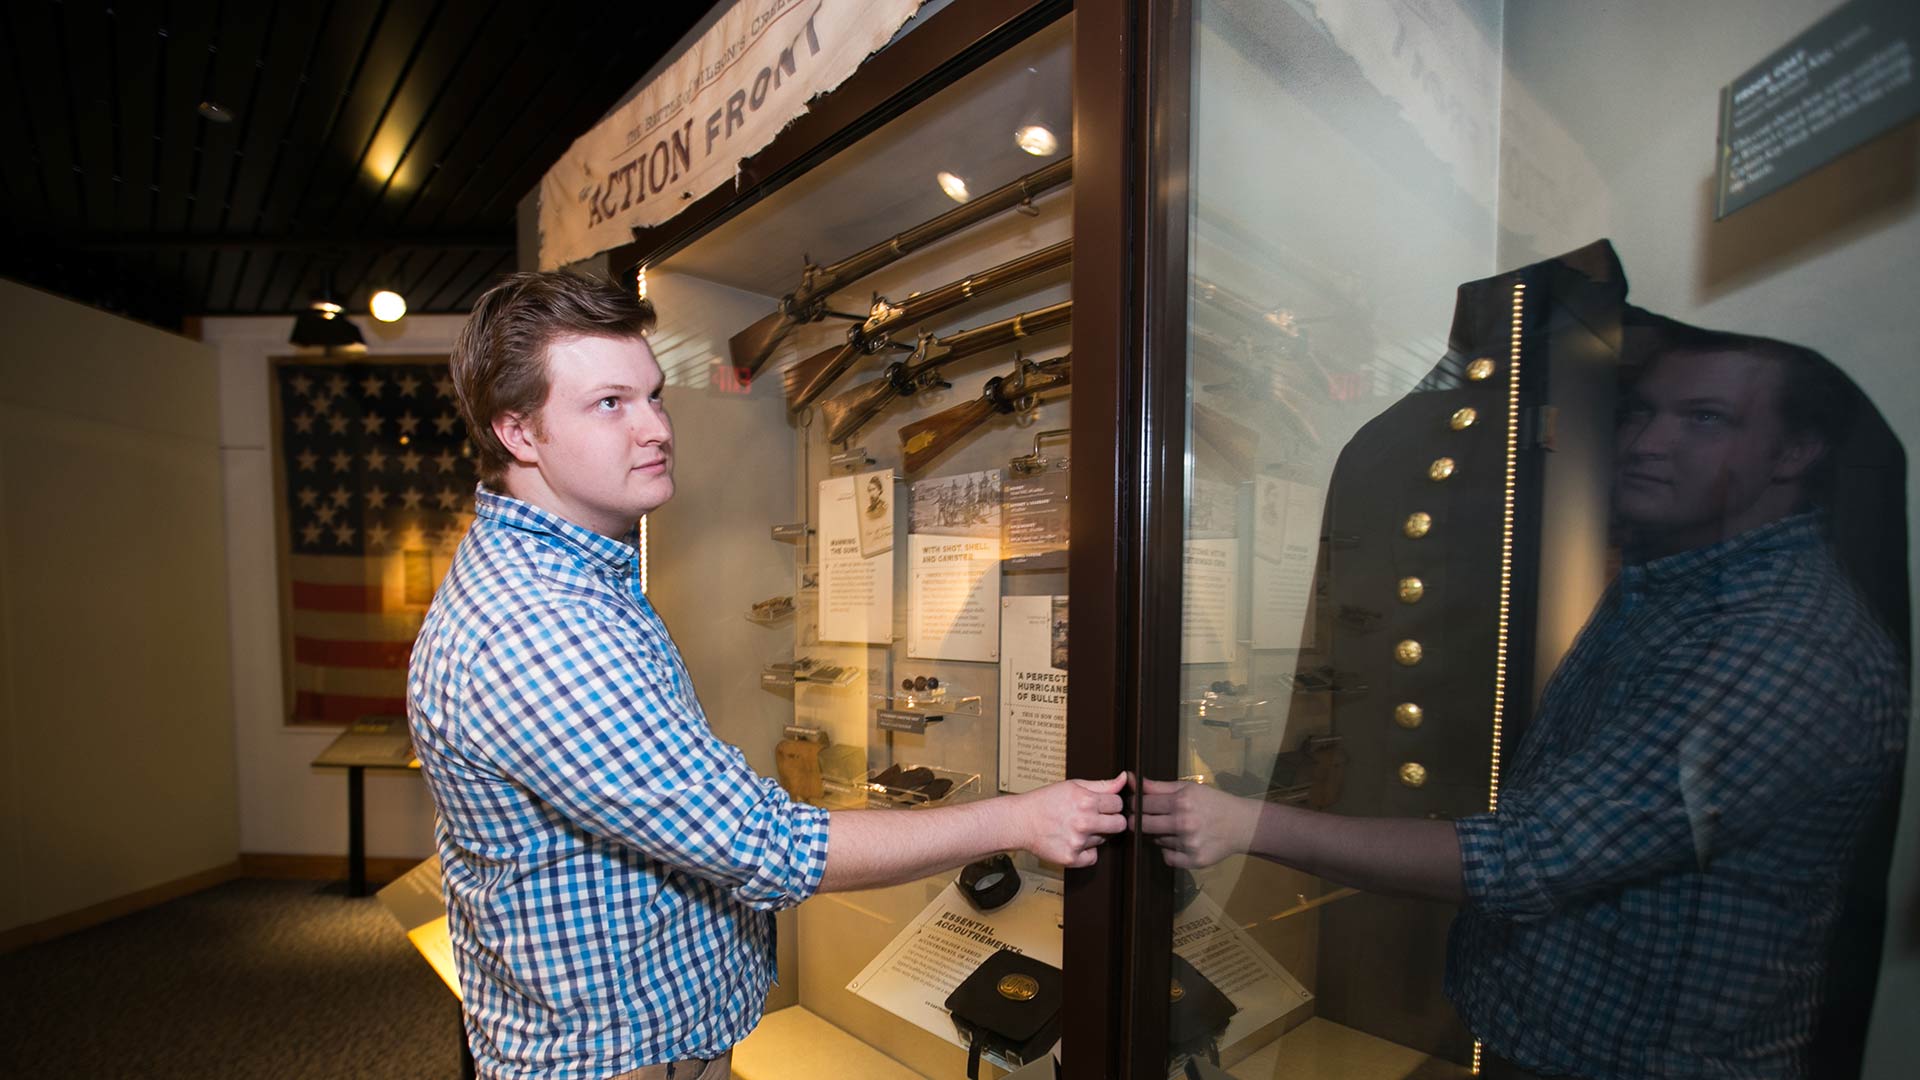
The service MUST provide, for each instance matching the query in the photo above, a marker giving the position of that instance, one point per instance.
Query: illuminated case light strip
(1506, 564)
(1506, 545)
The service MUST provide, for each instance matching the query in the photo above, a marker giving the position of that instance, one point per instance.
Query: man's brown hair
(500, 357)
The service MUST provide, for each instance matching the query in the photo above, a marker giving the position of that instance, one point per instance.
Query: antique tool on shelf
(808, 379)
(1016, 391)
(846, 413)
(750, 347)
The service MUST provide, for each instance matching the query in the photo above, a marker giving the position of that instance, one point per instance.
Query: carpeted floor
(267, 979)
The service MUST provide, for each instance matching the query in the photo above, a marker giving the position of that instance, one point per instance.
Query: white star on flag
(343, 533)
(372, 385)
(410, 499)
(446, 461)
(307, 459)
(336, 386)
(376, 498)
(307, 496)
(443, 424)
(407, 384)
(338, 424)
(342, 461)
(310, 534)
(372, 423)
(377, 459)
(376, 535)
(410, 462)
(303, 423)
(302, 386)
(325, 514)
(342, 495)
(408, 422)
(444, 387)
(448, 499)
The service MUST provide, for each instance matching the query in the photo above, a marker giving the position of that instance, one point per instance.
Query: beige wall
(288, 807)
(1830, 262)
(115, 736)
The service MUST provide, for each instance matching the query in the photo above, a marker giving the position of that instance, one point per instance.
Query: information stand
(374, 742)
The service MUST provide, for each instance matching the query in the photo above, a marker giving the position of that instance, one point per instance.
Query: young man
(612, 868)
(1656, 895)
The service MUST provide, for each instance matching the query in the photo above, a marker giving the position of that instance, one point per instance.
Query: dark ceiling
(372, 144)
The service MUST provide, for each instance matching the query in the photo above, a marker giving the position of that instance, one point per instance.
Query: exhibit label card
(1286, 549)
(953, 598)
(1210, 610)
(1842, 81)
(1251, 978)
(1033, 695)
(856, 591)
(913, 975)
(1036, 513)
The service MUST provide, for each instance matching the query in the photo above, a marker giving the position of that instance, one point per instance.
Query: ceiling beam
(313, 244)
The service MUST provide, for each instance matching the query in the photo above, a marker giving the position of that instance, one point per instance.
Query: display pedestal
(373, 743)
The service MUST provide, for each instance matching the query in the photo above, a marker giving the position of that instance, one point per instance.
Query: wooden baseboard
(107, 910)
(319, 867)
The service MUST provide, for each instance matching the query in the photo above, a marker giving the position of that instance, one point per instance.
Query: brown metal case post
(1129, 290)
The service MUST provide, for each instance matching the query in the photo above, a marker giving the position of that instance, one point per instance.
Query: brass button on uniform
(1413, 774)
(1411, 590)
(1480, 369)
(1463, 419)
(1417, 524)
(1408, 715)
(1408, 652)
(1440, 469)
(1018, 987)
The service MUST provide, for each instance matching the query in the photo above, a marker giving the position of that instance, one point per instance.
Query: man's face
(1702, 451)
(602, 444)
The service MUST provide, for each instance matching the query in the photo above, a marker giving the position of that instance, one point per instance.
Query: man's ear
(1798, 455)
(519, 434)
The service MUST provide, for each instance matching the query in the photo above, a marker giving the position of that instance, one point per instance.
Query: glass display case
(1309, 325)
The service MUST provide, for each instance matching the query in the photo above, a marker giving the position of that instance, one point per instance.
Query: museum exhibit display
(1288, 346)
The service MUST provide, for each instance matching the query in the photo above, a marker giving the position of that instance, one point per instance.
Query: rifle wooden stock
(750, 347)
(846, 413)
(1238, 445)
(811, 377)
(924, 440)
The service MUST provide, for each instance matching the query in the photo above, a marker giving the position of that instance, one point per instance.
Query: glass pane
(1506, 734)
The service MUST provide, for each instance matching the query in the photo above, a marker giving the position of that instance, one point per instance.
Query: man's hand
(1196, 825)
(1067, 822)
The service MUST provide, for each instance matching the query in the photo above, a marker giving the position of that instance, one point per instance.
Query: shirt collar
(1799, 531)
(604, 552)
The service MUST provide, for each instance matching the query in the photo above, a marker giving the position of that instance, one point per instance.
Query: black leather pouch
(1010, 1006)
(1197, 1013)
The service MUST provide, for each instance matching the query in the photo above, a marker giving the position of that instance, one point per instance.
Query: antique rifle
(810, 378)
(1237, 444)
(1016, 391)
(808, 303)
(845, 413)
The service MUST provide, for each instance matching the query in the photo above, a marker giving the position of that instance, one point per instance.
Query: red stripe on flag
(311, 597)
(312, 708)
(357, 654)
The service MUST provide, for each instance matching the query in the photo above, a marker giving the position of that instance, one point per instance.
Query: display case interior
(896, 638)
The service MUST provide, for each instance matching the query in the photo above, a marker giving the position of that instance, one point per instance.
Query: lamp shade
(323, 330)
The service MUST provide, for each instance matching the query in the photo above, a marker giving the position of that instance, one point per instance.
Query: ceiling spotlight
(215, 112)
(387, 305)
(955, 187)
(1037, 140)
(322, 326)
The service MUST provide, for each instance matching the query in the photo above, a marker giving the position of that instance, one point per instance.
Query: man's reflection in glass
(1656, 895)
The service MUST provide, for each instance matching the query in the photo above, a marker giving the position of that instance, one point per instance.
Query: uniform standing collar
(603, 551)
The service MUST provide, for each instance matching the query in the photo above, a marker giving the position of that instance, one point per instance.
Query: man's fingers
(1105, 787)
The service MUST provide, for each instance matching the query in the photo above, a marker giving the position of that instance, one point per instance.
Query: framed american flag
(375, 479)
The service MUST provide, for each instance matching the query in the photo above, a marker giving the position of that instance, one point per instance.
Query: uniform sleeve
(571, 705)
(1705, 750)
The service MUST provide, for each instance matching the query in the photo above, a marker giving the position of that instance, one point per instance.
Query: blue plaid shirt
(611, 868)
(1657, 891)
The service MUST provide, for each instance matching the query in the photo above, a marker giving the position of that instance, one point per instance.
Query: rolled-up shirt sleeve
(1702, 750)
(604, 729)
